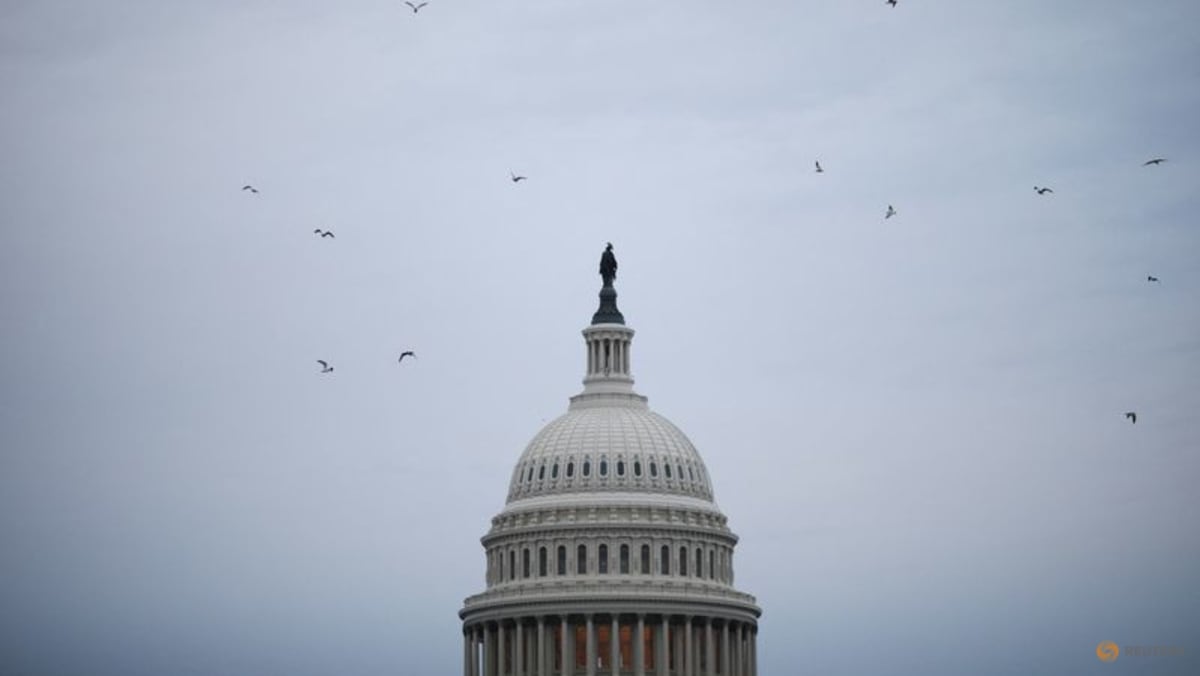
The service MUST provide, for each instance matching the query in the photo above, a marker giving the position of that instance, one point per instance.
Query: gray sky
(916, 426)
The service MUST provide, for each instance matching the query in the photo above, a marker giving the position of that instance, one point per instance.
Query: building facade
(610, 555)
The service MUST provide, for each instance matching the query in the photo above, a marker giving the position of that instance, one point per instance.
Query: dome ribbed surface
(628, 449)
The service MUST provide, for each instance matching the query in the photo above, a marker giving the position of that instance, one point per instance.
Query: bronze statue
(608, 265)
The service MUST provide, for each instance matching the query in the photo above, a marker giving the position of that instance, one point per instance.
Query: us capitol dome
(610, 555)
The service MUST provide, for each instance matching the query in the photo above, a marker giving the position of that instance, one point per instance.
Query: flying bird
(1151, 278)
(325, 367)
(250, 188)
(516, 179)
(416, 8)
(406, 353)
(323, 233)
(890, 212)
(1157, 160)
(1132, 416)
(891, 2)
(1042, 191)
(819, 169)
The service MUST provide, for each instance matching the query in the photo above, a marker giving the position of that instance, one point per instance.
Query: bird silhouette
(416, 8)
(890, 212)
(406, 353)
(325, 367)
(1132, 416)
(250, 188)
(1157, 160)
(1151, 278)
(819, 169)
(891, 2)
(1042, 191)
(323, 233)
(516, 179)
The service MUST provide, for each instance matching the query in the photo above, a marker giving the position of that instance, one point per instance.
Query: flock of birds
(1131, 416)
(515, 178)
(328, 234)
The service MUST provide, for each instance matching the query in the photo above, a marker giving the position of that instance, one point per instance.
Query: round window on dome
(603, 468)
(637, 467)
(570, 469)
(554, 471)
(620, 468)
(653, 470)
(587, 467)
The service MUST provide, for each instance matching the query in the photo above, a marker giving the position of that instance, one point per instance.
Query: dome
(610, 448)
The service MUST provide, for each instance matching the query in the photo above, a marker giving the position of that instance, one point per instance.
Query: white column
(689, 654)
(726, 659)
(661, 661)
(540, 660)
(501, 648)
(614, 646)
(519, 664)
(591, 646)
(710, 649)
(639, 647)
(466, 653)
(563, 647)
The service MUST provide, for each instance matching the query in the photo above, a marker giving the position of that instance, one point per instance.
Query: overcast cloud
(914, 425)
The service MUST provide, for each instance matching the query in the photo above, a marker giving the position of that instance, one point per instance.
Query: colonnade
(571, 645)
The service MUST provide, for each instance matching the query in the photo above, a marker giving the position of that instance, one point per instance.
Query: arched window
(554, 471)
(667, 469)
(525, 563)
(679, 469)
(645, 569)
(562, 560)
(664, 562)
(603, 467)
(570, 469)
(691, 477)
(602, 560)
(541, 562)
(712, 566)
(683, 561)
(581, 560)
(620, 468)
(512, 564)
(541, 472)
(653, 470)
(699, 561)
(587, 467)
(637, 467)
(624, 559)
(530, 477)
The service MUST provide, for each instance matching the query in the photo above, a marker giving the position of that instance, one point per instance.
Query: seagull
(416, 8)
(891, 2)
(325, 367)
(819, 169)
(890, 212)
(1132, 417)
(323, 233)
(516, 178)
(1157, 160)
(406, 353)
(250, 188)
(1042, 191)
(1151, 278)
